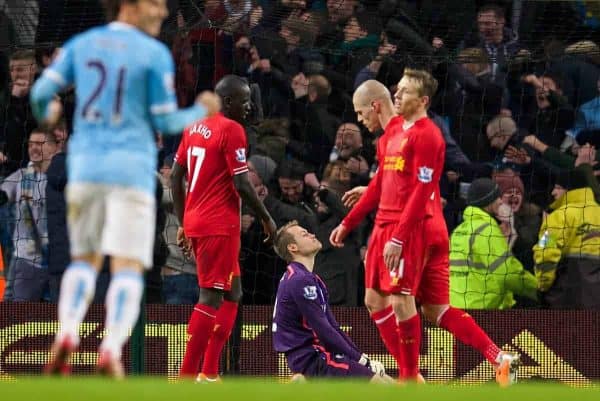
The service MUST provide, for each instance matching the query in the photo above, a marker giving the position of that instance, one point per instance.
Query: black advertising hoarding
(555, 345)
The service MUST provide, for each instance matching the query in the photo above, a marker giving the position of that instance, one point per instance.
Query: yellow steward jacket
(567, 255)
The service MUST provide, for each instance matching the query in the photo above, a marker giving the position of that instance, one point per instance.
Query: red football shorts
(424, 268)
(217, 260)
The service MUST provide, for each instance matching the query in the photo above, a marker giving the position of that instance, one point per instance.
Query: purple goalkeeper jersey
(302, 317)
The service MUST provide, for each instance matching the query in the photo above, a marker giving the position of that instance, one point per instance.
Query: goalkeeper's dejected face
(304, 243)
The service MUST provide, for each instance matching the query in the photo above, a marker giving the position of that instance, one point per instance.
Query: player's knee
(375, 302)
(404, 306)
(432, 312)
(372, 305)
(211, 297)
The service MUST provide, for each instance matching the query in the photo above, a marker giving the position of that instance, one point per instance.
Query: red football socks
(409, 342)
(199, 330)
(223, 325)
(385, 320)
(464, 328)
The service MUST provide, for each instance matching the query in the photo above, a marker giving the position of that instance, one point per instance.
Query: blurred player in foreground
(407, 259)
(123, 79)
(303, 326)
(212, 153)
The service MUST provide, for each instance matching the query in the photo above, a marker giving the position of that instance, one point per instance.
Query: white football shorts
(111, 220)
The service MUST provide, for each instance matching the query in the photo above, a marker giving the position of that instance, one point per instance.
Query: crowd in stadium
(518, 103)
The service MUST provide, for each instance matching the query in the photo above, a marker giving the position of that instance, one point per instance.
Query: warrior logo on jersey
(310, 292)
(425, 174)
(240, 155)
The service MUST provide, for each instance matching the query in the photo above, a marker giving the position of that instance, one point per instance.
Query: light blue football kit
(125, 92)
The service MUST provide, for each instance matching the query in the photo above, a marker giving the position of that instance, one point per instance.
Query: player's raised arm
(59, 75)
(165, 115)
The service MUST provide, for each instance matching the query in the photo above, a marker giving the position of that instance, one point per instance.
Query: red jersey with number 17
(212, 151)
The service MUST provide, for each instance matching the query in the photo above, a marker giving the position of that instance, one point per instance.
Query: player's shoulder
(228, 123)
(394, 124)
(156, 46)
(303, 285)
(145, 43)
(226, 127)
(296, 276)
(81, 39)
(429, 130)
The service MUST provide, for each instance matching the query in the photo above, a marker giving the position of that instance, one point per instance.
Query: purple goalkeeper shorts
(316, 362)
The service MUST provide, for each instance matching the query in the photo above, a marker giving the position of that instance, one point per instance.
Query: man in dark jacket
(338, 267)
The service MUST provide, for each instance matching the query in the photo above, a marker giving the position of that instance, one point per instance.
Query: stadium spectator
(527, 216)
(294, 200)
(304, 328)
(313, 131)
(338, 13)
(384, 66)
(553, 161)
(7, 39)
(356, 49)
(349, 148)
(484, 274)
(25, 18)
(59, 256)
(273, 136)
(260, 265)
(501, 132)
(580, 64)
(179, 278)
(552, 115)
(16, 118)
(338, 267)
(470, 99)
(338, 175)
(28, 272)
(567, 253)
(588, 115)
(493, 36)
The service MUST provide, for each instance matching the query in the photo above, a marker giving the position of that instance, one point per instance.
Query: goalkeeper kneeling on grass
(303, 326)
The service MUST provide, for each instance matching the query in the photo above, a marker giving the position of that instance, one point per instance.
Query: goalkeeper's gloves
(376, 367)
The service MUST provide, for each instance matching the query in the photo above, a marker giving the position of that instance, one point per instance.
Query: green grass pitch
(149, 389)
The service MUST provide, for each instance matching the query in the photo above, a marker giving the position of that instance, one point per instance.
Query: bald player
(375, 110)
(408, 250)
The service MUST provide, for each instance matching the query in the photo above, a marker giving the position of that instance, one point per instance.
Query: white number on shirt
(199, 153)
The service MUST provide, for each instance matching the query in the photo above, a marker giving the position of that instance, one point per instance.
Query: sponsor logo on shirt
(240, 155)
(425, 174)
(395, 163)
(403, 144)
(310, 292)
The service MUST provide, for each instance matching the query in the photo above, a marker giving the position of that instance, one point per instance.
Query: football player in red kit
(213, 154)
(408, 249)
